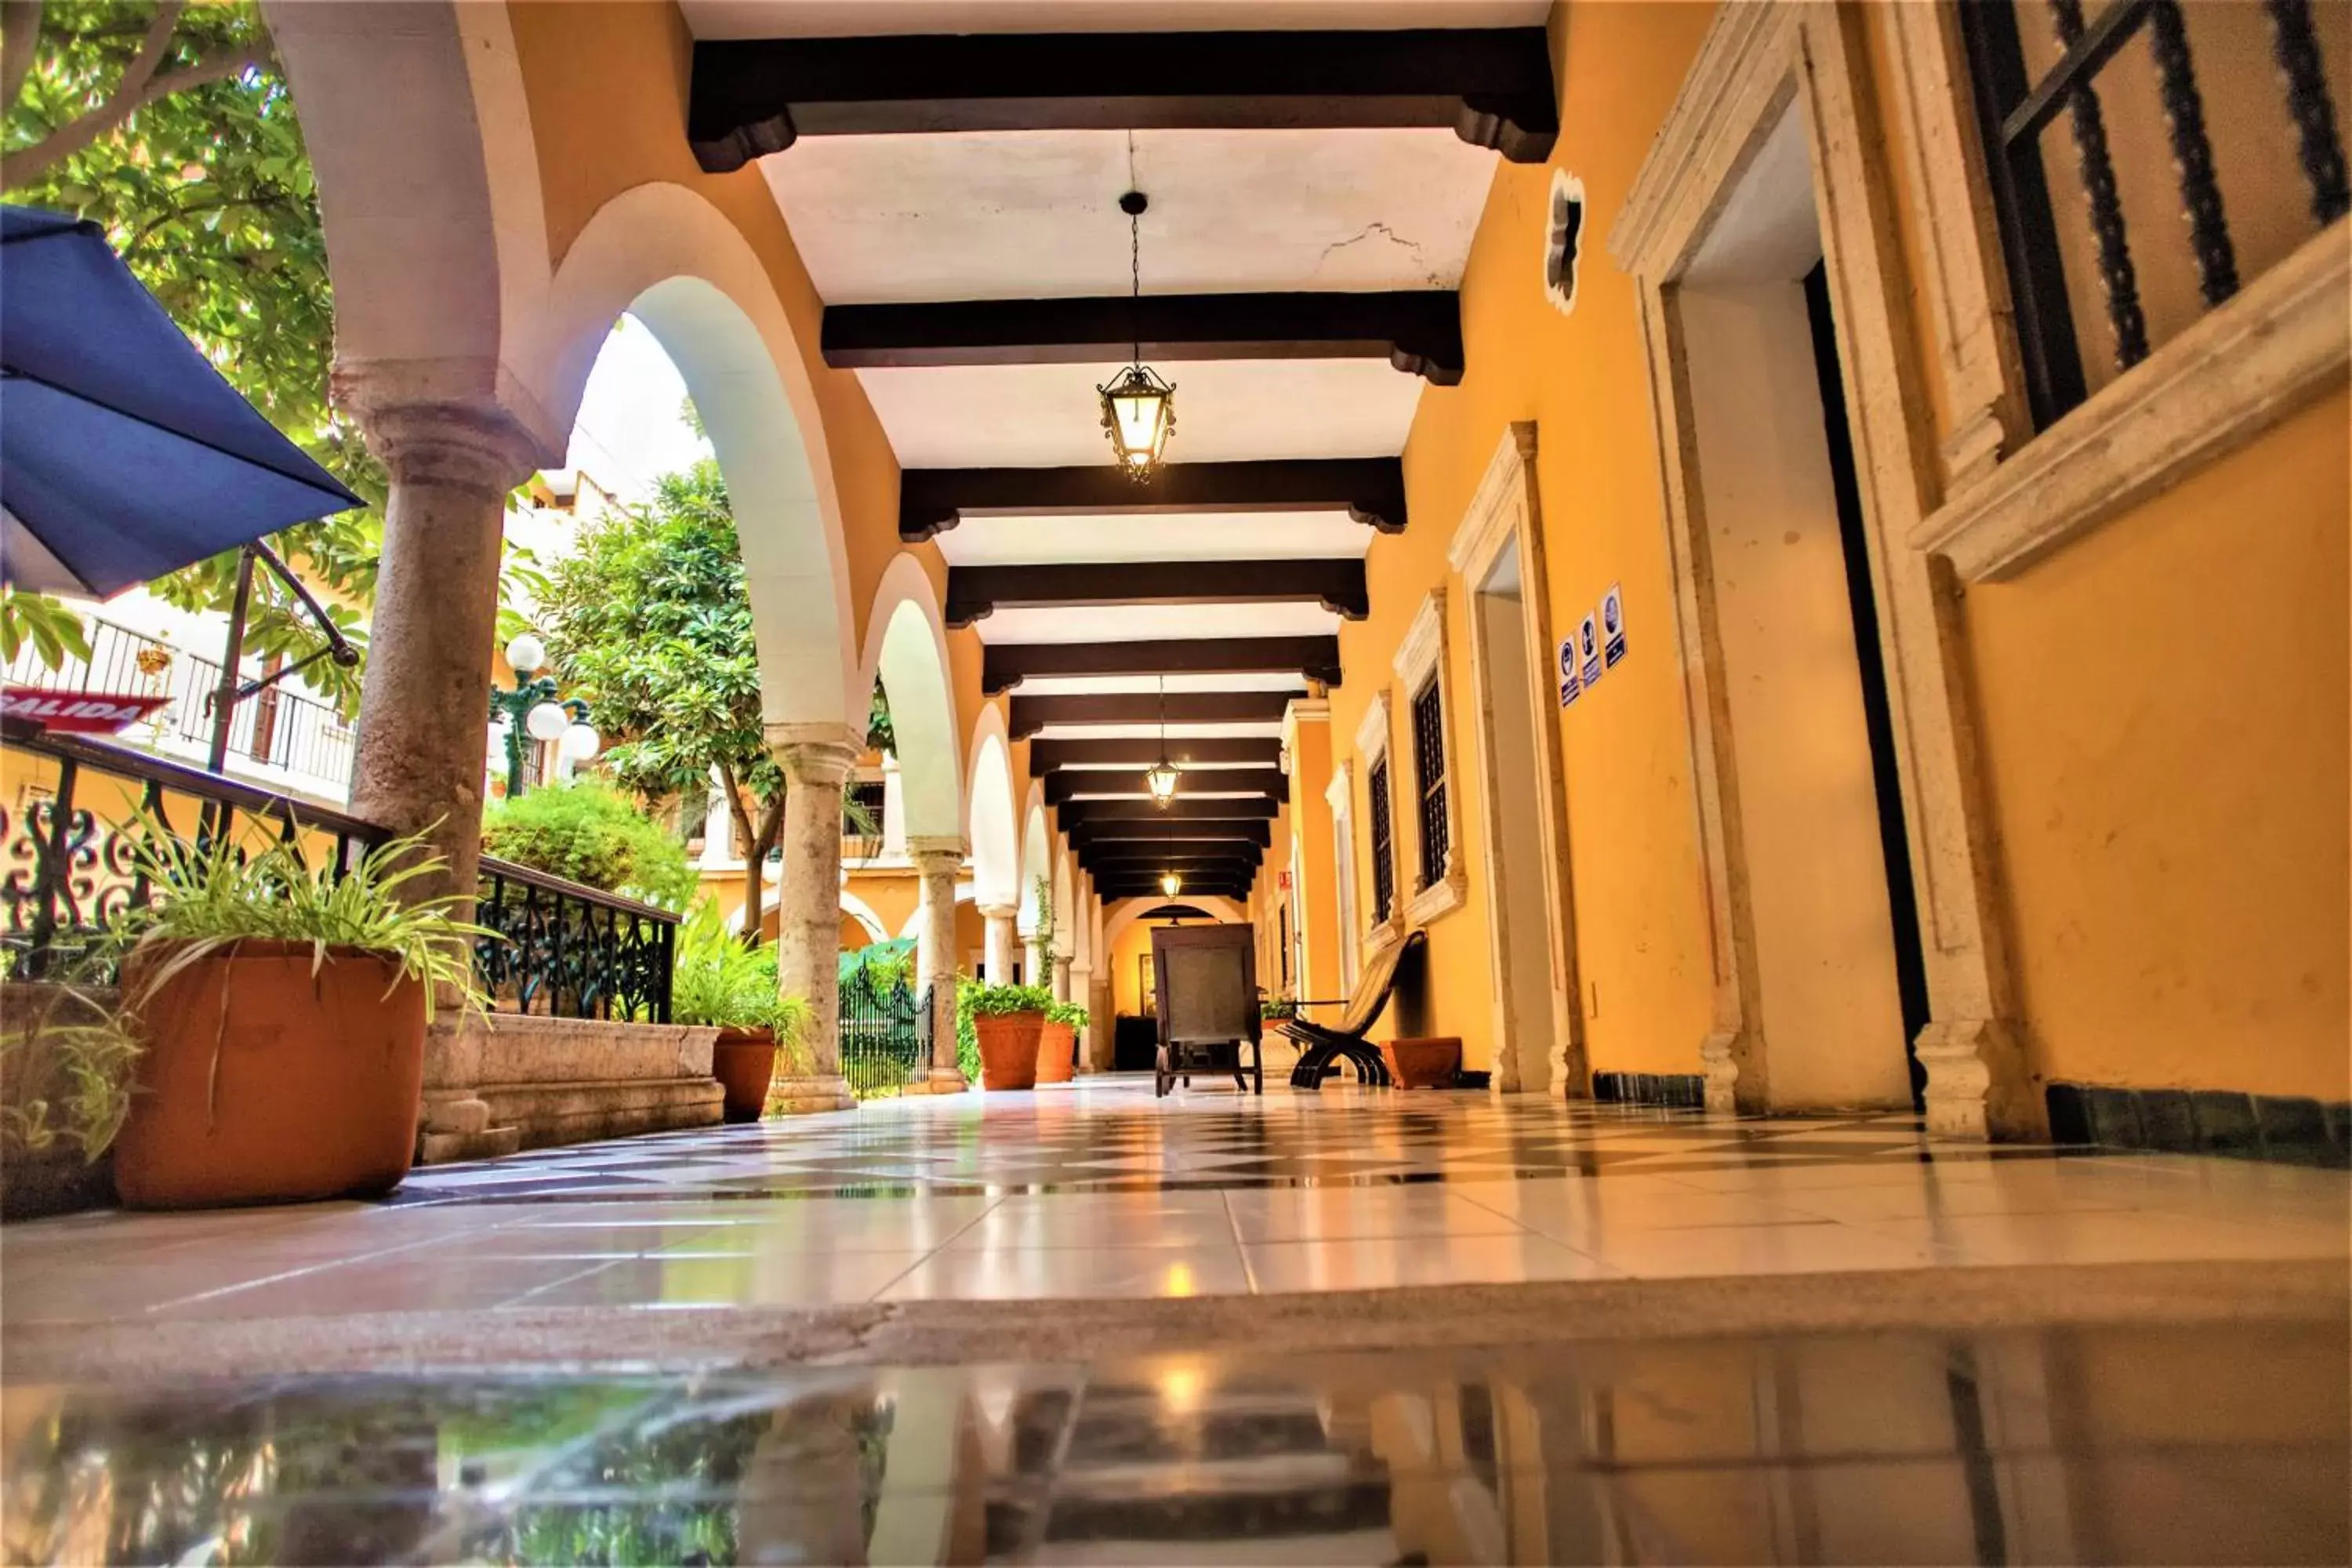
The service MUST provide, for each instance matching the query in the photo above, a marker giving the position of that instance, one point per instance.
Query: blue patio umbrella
(123, 453)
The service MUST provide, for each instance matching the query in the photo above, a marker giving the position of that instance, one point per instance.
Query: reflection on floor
(2010, 1447)
(1100, 1192)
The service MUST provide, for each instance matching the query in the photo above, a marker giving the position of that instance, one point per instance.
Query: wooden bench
(1322, 1048)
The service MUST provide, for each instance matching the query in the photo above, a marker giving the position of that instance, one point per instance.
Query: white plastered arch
(1132, 910)
(914, 924)
(907, 648)
(664, 254)
(1037, 858)
(1066, 903)
(861, 912)
(994, 832)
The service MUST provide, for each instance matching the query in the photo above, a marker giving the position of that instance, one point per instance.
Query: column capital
(429, 426)
(999, 912)
(818, 754)
(934, 853)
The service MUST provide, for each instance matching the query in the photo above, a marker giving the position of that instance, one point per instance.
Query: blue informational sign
(1588, 645)
(1571, 685)
(1613, 624)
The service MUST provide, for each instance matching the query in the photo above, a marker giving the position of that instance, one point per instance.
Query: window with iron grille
(1429, 780)
(2033, 62)
(1376, 781)
(867, 793)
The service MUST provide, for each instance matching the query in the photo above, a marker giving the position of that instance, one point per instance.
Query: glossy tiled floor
(1099, 1191)
(2119, 1445)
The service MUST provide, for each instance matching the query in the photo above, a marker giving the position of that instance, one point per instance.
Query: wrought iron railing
(886, 1028)
(68, 872)
(295, 734)
(570, 951)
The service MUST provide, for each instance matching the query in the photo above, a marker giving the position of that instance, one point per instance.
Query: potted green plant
(1057, 1048)
(1009, 1021)
(716, 980)
(280, 1010)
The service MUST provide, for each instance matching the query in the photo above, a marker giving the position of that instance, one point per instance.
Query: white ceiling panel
(1153, 622)
(859, 18)
(1175, 536)
(1135, 770)
(1070, 685)
(1227, 411)
(1023, 214)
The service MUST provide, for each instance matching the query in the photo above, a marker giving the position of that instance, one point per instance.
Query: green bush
(590, 833)
(998, 1001)
(967, 1036)
(1069, 1013)
(716, 980)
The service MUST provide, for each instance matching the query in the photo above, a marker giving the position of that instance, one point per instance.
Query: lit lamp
(1169, 883)
(532, 709)
(1138, 408)
(1159, 778)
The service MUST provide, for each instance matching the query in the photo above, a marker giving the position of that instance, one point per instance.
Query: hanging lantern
(1138, 413)
(1169, 883)
(1160, 779)
(1138, 408)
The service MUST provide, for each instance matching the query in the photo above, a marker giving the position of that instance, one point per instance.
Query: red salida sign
(77, 712)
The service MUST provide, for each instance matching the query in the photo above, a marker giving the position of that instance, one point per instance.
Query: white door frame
(1505, 511)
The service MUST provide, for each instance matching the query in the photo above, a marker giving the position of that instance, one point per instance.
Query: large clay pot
(743, 1061)
(1008, 1048)
(1428, 1063)
(1057, 1049)
(265, 1082)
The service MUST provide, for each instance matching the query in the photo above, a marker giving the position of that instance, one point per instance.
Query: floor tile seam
(874, 1297)
(523, 1299)
(1234, 1226)
(326, 1268)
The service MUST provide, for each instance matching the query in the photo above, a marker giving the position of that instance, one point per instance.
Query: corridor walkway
(1097, 1191)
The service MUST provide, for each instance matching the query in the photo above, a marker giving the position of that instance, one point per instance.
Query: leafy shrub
(588, 833)
(999, 1001)
(715, 979)
(1070, 1013)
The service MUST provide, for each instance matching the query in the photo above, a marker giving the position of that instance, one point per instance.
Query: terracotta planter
(1426, 1063)
(263, 1082)
(743, 1061)
(1057, 1050)
(1008, 1048)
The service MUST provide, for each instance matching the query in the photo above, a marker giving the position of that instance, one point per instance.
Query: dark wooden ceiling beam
(1369, 489)
(1004, 666)
(1251, 809)
(976, 592)
(1030, 714)
(1492, 86)
(1142, 751)
(1117, 859)
(1269, 784)
(1083, 835)
(1419, 331)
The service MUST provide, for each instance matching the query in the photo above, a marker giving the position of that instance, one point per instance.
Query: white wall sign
(1571, 684)
(1588, 645)
(1613, 624)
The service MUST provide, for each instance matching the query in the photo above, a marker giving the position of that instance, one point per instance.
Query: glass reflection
(2087, 1445)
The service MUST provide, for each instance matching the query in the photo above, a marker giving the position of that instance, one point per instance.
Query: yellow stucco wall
(1642, 936)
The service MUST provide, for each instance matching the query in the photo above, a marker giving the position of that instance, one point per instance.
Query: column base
(1977, 1085)
(808, 1096)
(942, 1080)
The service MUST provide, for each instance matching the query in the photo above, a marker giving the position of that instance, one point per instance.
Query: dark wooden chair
(1207, 982)
(1321, 1049)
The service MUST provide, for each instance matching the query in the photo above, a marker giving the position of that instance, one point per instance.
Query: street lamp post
(531, 708)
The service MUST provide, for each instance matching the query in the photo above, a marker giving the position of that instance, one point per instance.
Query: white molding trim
(1372, 732)
(1506, 509)
(1421, 658)
(1303, 711)
(2283, 342)
(1335, 794)
(1758, 58)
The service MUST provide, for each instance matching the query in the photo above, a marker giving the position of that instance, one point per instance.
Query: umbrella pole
(226, 697)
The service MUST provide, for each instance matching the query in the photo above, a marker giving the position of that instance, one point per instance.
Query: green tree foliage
(649, 622)
(590, 833)
(170, 126)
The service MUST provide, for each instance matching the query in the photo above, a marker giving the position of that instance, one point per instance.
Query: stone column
(998, 956)
(1061, 976)
(424, 706)
(816, 760)
(1080, 982)
(938, 860)
(1037, 962)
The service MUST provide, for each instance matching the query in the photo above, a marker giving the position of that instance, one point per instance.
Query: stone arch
(436, 227)
(665, 255)
(1132, 910)
(914, 923)
(907, 648)
(994, 830)
(1066, 903)
(861, 912)
(1037, 858)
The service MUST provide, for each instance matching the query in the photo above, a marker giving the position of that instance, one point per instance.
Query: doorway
(1523, 951)
(1837, 991)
